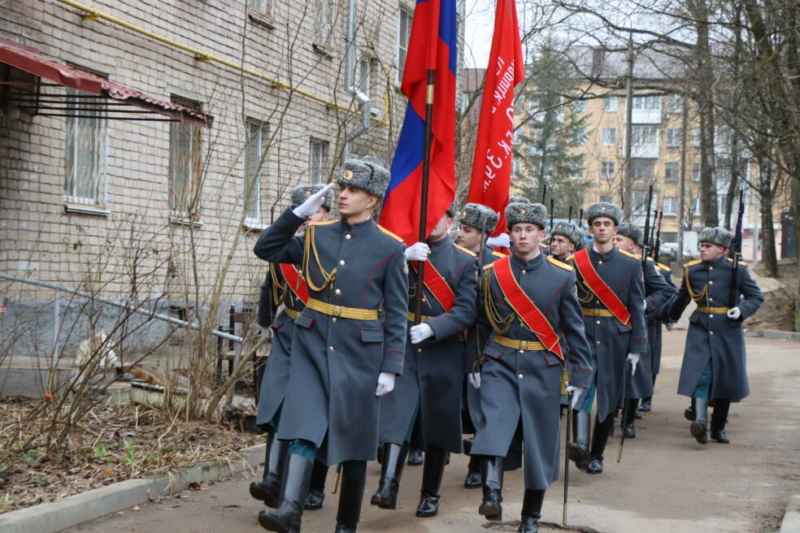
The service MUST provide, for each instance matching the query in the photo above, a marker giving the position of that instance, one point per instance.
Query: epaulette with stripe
(663, 267)
(498, 254)
(570, 258)
(468, 252)
(740, 261)
(544, 246)
(648, 258)
(559, 264)
(487, 267)
(634, 256)
(323, 223)
(389, 233)
(693, 263)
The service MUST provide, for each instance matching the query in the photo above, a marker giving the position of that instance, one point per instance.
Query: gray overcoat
(656, 318)
(330, 398)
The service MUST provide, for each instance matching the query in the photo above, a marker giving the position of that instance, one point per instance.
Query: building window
(695, 207)
(579, 106)
(642, 170)
(670, 205)
(647, 102)
(86, 150)
(611, 104)
(644, 135)
(674, 103)
(403, 36)
(671, 172)
(608, 170)
(696, 172)
(576, 173)
(580, 137)
(252, 171)
(639, 201)
(316, 162)
(185, 163)
(609, 136)
(364, 75)
(696, 138)
(673, 138)
(263, 7)
(323, 23)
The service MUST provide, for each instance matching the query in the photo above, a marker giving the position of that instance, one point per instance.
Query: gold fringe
(310, 247)
(499, 323)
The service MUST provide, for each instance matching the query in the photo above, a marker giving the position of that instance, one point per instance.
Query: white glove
(420, 332)
(645, 305)
(385, 383)
(474, 379)
(734, 313)
(313, 202)
(634, 360)
(577, 394)
(417, 252)
(501, 241)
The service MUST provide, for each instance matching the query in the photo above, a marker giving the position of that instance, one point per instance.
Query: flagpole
(423, 215)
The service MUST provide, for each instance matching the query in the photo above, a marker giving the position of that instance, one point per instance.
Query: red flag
(491, 168)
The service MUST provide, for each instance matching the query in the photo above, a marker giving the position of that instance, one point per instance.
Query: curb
(778, 334)
(791, 520)
(59, 515)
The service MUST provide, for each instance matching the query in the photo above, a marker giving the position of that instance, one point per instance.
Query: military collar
(533, 263)
(441, 243)
(358, 227)
(720, 261)
(603, 257)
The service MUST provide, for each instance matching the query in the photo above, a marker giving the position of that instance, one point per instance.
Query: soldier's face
(352, 201)
(469, 237)
(623, 243)
(526, 238)
(711, 252)
(602, 229)
(320, 216)
(441, 228)
(561, 246)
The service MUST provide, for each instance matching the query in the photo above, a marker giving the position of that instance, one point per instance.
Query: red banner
(491, 167)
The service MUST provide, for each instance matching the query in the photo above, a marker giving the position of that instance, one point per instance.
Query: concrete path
(665, 483)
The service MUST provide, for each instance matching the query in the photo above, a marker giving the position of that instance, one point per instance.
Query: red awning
(33, 62)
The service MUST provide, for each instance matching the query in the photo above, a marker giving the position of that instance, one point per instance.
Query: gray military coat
(330, 398)
(611, 340)
(433, 373)
(523, 388)
(715, 338)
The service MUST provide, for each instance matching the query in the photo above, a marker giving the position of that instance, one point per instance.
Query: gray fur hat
(365, 175)
(300, 194)
(478, 216)
(570, 231)
(516, 199)
(719, 236)
(626, 229)
(521, 213)
(604, 209)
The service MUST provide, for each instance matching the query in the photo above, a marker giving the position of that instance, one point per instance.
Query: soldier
(431, 385)
(714, 361)
(611, 292)
(565, 239)
(657, 292)
(655, 319)
(348, 342)
(476, 223)
(520, 380)
(284, 285)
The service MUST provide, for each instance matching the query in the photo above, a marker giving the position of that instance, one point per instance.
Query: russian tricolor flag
(432, 45)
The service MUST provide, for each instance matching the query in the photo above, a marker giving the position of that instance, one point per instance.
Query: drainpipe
(350, 80)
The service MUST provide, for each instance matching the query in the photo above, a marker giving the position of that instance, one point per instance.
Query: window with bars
(254, 151)
(609, 136)
(316, 164)
(185, 164)
(86, 149)
(671, 171)
(403, 35)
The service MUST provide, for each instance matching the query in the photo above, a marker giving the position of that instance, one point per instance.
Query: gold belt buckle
(337, 310)
(523, 345)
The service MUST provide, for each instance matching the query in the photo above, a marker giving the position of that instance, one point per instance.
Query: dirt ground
(666, 482)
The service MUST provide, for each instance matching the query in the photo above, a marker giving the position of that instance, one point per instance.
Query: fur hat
(516, 199)
(604, 209)
(478, 216)
(521, 213)
(719, 236)
(365, 175)
(569, 231)
(300, 194)
(626, 229)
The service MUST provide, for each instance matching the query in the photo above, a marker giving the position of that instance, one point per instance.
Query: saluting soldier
(348, 342)
(611, 292)
(714, 366)
(431, 385)
(565, 239)
(655, 331)
(529, 302)
(284, 285)
(657, 292)
(476, 224)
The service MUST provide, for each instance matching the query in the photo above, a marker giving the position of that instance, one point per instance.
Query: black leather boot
(602, 431)
(415, 457)
(432, 474)
(688, 414)
(531, 511)
(698, 426)
(492, 473)
(628, 420)
(268, 489)
(719, 418)
(286, 518)
(316, 489)
(646, 405)
(350, 504)
(394, 458)
(473, 479)
(579, 450)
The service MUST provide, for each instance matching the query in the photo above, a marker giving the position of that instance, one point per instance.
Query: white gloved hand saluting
(577, 394)
(734, 313)
(501, 241)
(420, 332)
(418, 252)
(474, 379)
(385, 383)
(312, 203)
(634, 360)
